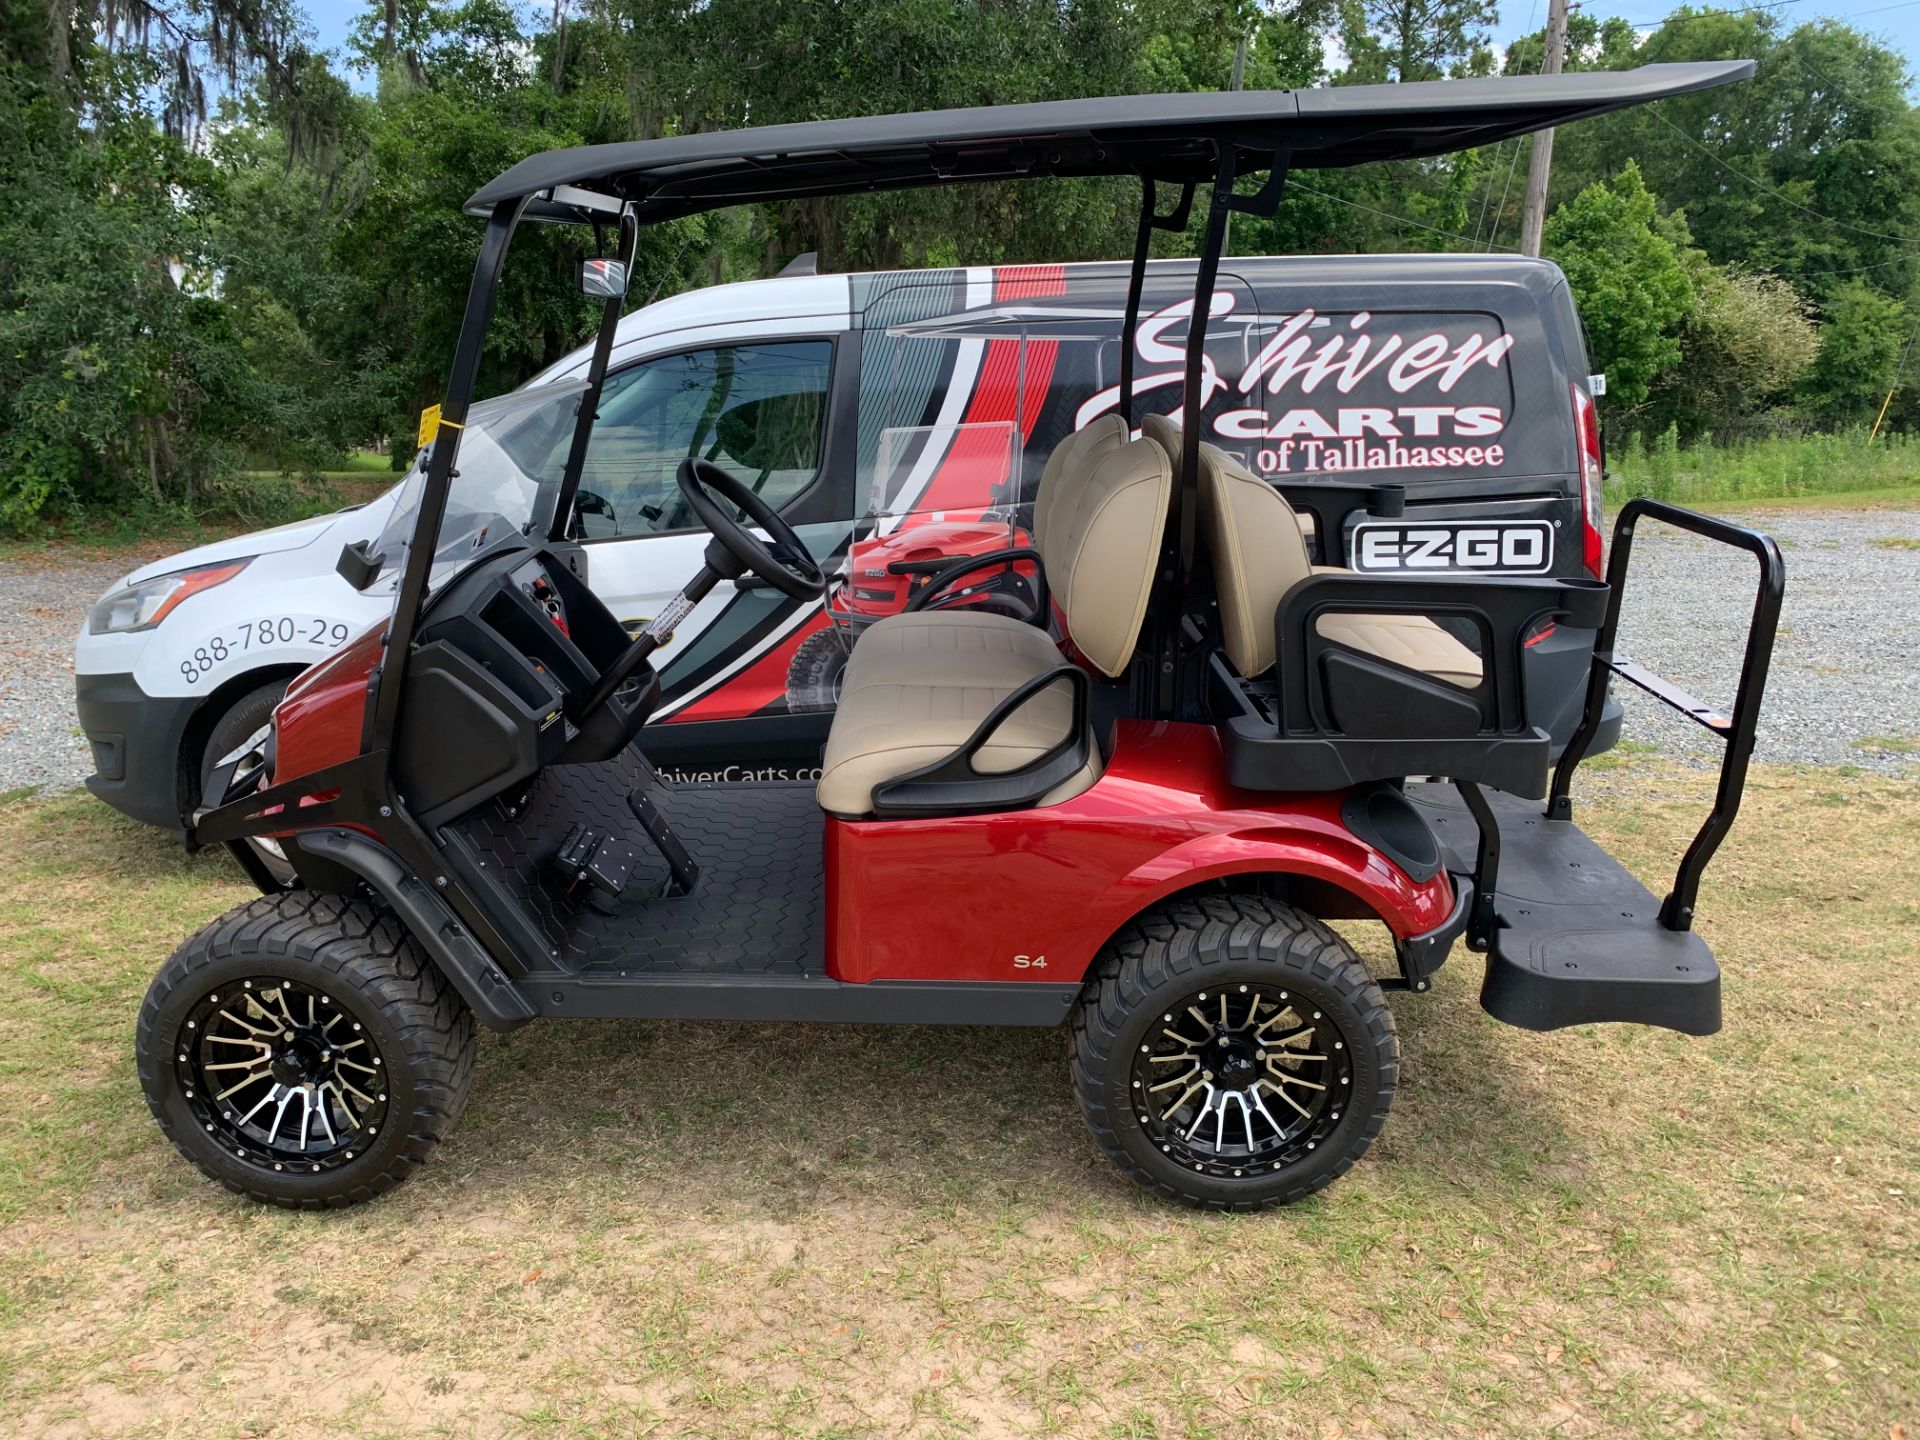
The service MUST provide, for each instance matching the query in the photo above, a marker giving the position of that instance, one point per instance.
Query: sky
(1894, 22)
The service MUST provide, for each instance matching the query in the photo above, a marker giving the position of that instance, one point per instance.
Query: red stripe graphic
(976, 462)
(755, 688)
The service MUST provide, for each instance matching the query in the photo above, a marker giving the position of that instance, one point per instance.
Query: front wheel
(241, 733)
(302, 1051)
(1233, 1053)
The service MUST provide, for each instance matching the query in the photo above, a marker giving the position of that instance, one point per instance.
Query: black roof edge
(1173, 138)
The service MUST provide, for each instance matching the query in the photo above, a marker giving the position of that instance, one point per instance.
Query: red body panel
(323, 719)
(960, 898)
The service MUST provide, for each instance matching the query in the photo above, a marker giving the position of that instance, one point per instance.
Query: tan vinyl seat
(918, 685)
(1259, 554)
(1072, 459)
(1164, 430)
(938, 630)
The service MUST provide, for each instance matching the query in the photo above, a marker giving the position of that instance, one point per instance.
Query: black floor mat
(758, 908)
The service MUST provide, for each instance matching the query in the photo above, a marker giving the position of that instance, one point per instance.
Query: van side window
(757, 411)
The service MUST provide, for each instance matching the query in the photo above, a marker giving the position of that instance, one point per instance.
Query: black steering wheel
(792, 571)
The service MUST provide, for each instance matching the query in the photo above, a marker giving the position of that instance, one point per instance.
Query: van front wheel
(1232, 1053)
(241, 731)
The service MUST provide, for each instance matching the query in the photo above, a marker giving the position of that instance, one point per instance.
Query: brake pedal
(604, 862)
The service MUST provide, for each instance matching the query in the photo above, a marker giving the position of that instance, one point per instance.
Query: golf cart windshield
(510, 447)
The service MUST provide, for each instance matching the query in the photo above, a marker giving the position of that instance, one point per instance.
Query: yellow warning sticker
(429, 425)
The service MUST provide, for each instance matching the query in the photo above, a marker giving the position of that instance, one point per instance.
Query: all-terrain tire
(1220, 944)
(364, 961)
(813, 675)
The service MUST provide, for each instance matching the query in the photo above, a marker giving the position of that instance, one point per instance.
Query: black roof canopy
(1165, 137)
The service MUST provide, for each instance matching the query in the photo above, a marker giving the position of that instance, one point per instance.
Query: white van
(1455, 387)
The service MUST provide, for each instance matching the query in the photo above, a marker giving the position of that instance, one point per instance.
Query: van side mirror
(603, 279)
(356, 566)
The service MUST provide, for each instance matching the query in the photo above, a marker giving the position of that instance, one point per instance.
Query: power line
(1296, 184)
(1859, 269)
(1515, 143)
(1877, 10)
(1761, 185)
(1513, 164)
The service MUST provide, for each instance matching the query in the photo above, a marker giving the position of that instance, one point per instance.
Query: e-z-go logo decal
(1308, 355)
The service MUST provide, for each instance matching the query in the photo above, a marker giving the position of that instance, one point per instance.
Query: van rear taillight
(1586, 426)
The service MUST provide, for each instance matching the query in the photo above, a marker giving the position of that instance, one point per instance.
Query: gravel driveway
(1846, 661)
(48, 594)
(1846, 670)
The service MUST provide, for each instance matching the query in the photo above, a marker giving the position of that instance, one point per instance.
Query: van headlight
(143, 606)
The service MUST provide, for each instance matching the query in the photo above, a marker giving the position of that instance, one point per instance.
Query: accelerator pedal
(684, 873)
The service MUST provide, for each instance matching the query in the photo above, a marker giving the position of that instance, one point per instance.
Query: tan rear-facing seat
(1162, 430)
(917, 686)
(1259, 554)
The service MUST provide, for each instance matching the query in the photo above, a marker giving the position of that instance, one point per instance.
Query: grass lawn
(719, 1230)
(1843, 468)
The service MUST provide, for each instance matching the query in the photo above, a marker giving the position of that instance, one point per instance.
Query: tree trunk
(153, 461)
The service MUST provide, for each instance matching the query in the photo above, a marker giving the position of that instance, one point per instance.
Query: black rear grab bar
(1736, 729)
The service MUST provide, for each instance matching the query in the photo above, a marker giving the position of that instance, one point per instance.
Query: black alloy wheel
(282, 1076)
(302, 1051)
(1242, 1078)
(1233, 1053)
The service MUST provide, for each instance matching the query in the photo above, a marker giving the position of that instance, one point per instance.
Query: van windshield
(511, 447)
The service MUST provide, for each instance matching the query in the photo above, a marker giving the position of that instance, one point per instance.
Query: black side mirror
(356, 566)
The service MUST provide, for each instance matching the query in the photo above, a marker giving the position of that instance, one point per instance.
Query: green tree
(1810, 170)
(123, 370)
(1627, 279)
(1748, 342)
(1863, 336)
(1416, 39)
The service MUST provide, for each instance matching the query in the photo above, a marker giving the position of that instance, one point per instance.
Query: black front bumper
(136, 740)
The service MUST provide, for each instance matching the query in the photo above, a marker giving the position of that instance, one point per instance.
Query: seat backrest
(1101, 547)
(1068, 465)
(1163, 432)
(1258, 555)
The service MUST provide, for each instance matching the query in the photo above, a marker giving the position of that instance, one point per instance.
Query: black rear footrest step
(1576, 940)
(1633, 970)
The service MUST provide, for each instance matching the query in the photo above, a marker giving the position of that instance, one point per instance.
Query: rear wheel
(303, 1052)
(243, 729)
(1233, 1053)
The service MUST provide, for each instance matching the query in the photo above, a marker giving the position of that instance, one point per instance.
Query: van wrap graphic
(969, 377)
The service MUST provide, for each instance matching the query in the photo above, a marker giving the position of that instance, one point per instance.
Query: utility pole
(1236, 84)
(1534, 216)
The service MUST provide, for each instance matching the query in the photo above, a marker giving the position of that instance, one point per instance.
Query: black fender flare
(495, 1000)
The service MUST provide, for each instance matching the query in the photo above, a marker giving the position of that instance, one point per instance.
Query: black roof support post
(1262, 202)
(1192, 401)
(1150, 221)
(433, 493)
(1179, 564)
(553, 510)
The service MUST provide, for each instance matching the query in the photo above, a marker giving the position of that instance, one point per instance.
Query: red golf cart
(1130, 812)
